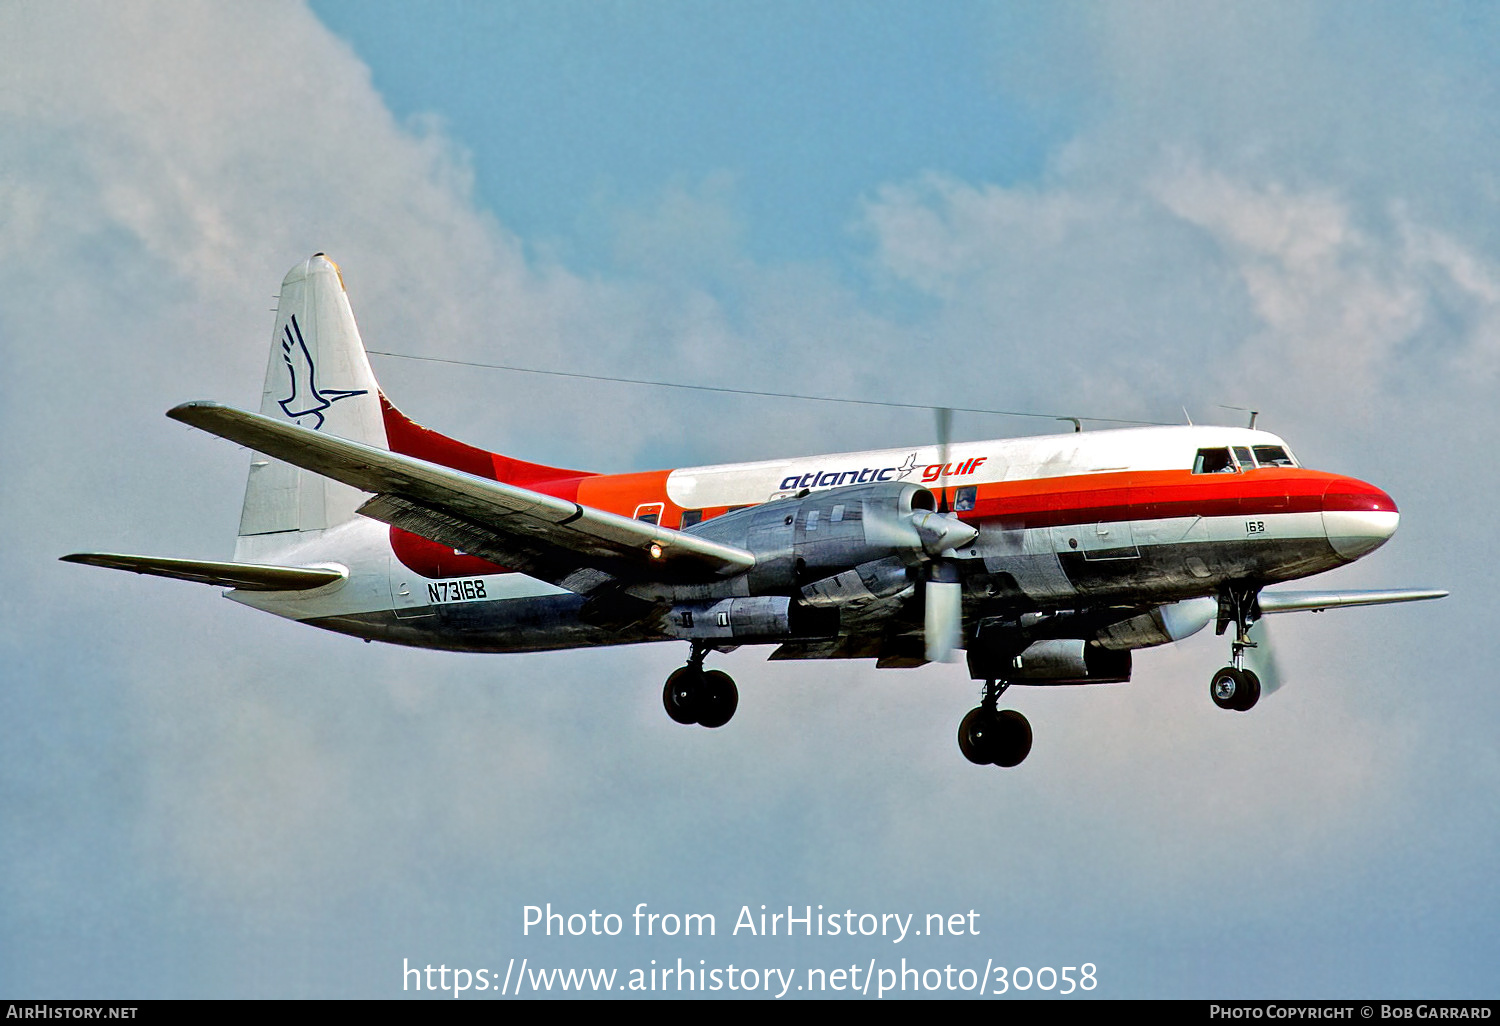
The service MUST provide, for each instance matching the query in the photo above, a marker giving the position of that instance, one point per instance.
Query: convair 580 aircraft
(1048, 560)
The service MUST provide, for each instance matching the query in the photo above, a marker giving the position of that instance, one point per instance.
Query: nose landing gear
(991, 736)
(695, 695)
(1234, 687)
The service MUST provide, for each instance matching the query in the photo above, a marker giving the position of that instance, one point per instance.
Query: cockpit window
(1213, 461)
(1242, 454)
(1273, 456)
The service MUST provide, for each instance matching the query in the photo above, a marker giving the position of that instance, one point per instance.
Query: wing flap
(542, 535)
(243, 576)
(1317, 601)
(519, 549)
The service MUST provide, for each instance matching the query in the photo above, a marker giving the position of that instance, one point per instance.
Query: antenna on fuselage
(1188, 416)
(1243, 409)
(1077, 424)
(752, 391)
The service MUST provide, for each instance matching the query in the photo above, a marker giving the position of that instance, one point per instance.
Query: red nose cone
(1357, 517)
(1346, 494)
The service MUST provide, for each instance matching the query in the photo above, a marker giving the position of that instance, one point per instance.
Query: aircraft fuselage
(1064, 521)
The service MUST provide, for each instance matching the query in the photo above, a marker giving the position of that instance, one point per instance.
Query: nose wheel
(1235, 688)
(695, 695)
(994, 737)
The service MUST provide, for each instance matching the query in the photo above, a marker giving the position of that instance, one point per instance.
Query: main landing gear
(695, 695)
(1234, 687)
(988, 735)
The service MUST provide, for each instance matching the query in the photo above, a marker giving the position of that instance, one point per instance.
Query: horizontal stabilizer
(244, 576)
(1317, 601)
(554, 539)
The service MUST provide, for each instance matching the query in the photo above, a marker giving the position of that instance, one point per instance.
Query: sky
(1134, 210)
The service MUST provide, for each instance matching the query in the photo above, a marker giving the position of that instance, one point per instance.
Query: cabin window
(691, 517)
(837, 514)
(812, 520)
(1213, 461)
(1242, 454)
(1273, 456)
(964, 498)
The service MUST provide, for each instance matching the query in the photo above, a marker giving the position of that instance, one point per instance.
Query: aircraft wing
(556, 540)
(1317, 601)
(244, 576)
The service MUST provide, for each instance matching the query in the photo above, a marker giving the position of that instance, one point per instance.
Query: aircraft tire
(976, 734)
(1251, 693)
(1227, 688)
(718, 699)
(1012, 739)
(681, 695)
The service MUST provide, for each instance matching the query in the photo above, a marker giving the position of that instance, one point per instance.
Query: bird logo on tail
(307, 399)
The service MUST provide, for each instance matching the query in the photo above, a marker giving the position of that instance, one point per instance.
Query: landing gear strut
(1234, 687)
(988, 735)
(695, 695)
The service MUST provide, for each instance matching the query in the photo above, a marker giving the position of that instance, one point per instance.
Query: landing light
(655, 551)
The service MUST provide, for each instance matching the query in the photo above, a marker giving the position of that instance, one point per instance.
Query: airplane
(1048, 560)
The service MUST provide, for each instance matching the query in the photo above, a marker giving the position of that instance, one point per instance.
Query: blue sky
(572, 110)
(1123, 209)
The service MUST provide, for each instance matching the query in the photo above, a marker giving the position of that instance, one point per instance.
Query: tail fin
(319, 377)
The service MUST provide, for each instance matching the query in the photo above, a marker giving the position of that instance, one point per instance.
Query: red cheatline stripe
(1043, 502)
(1162, 495)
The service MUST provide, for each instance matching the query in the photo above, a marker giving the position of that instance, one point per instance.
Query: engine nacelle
(824, 534)
(1067, 661)
(1171, 622)
(758, 618)
(868, 582)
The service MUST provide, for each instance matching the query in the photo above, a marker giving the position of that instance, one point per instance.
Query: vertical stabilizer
(319, 377)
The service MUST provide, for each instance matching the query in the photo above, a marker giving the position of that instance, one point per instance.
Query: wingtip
(184, 411)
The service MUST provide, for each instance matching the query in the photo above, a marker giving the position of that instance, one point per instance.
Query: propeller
(941, 533)
(942, 626)
(1261, 659)
(944, 433)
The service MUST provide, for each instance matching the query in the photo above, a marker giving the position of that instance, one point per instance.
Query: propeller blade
(1262, 658)
(944, 434)
(943, 624)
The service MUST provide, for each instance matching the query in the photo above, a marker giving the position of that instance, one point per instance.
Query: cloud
(1344, 307)
(1185, 278)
